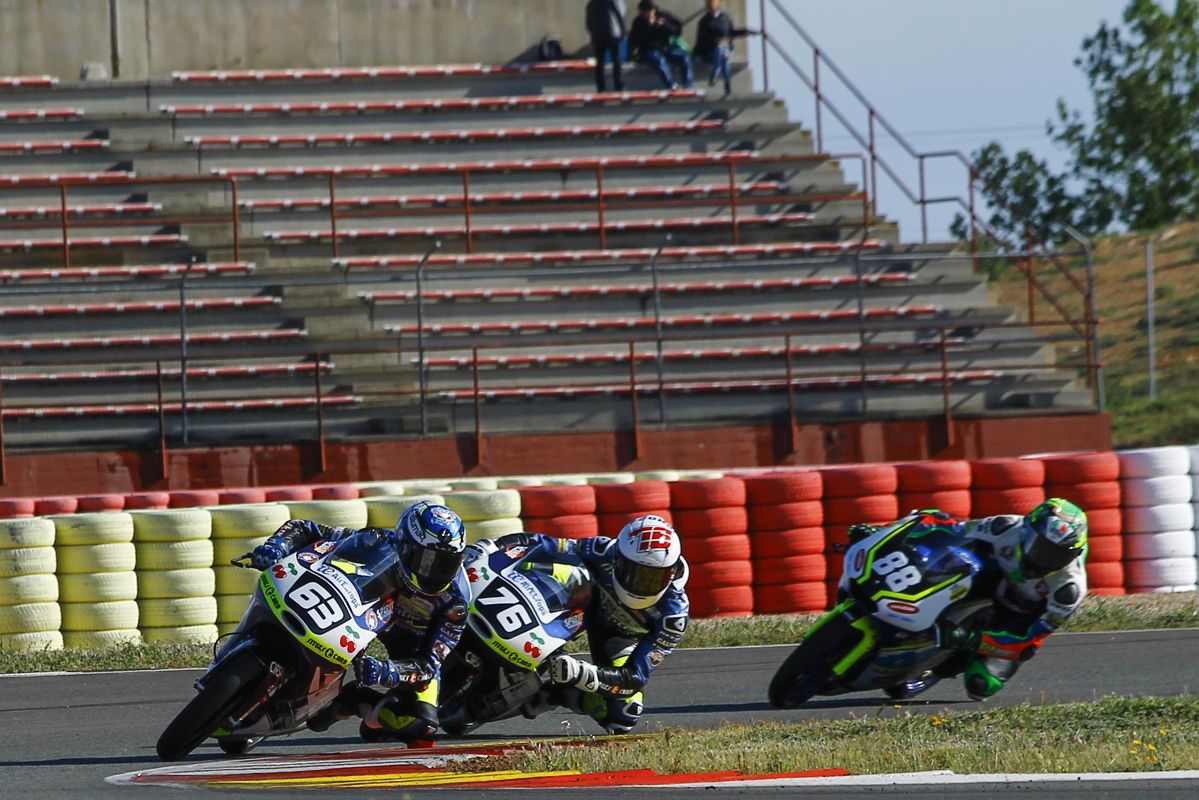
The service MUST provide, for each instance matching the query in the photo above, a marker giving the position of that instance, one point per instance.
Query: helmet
(1054, 534)
(432, 544)
(647, 557)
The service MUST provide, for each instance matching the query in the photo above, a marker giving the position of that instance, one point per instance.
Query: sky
(948, 74)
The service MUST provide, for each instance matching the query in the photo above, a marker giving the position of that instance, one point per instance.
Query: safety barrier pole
(320, 415)
(66, 241)
(765, 62)
(948, 406)
(333, 213)
(162, 423)
(601, 206)
(819, 99)
(466, 211)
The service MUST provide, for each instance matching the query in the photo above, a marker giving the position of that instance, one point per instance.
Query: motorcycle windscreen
(565, 587)
(944, 559)
(370, 561)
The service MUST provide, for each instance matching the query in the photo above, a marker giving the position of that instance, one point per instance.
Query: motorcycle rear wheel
(216, 701)
(809, 667)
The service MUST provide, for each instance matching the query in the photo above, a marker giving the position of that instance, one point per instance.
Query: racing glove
(388, 674)
(570, 671)
(266, 554)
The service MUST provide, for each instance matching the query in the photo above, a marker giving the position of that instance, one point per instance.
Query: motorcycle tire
(217, 700)
(808, 669)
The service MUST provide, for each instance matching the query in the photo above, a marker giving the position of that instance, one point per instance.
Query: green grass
(1111, 735)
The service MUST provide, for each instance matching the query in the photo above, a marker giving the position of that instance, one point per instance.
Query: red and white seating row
(453, 136)
(517, 102)
(226, 337)
(56, 178)
(571, 292)
(685, 321)
(96, 209)
(138, 307)
(625, 255)
(700, 191)
(132, 409)
(372, 73)
(53, 146)
(149, 240)
(27, 81)
(109, 375)
(552, 228)
(129, 272)
(38, 114)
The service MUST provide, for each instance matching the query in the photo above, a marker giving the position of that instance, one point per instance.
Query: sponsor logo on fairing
(515, 551)
(676, 623)
(652, 538)
(372, 620)
(323, 547)
(656, 657)
(900, 607)
(441, 650)
(308, 558)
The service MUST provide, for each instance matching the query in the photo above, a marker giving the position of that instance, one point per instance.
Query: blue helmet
(432, 545)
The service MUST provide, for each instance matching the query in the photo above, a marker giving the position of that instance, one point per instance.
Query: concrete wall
(137, 39)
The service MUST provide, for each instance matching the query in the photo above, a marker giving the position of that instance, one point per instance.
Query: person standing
(655, 40)
(607, 28)
(714, 42)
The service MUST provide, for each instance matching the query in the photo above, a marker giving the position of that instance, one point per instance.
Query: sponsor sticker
(308, 558)
(656, 657)
(441, 650)
(676, 623)
(859, 561)
(323, 546)
(372, 619)
(515, 551)
(902, 607)
(385, 613)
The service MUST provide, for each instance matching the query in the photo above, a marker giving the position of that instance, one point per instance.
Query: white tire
(36, 642)
(235, 580)
(225, 550)
(101, 640)
(658, 475)
(30, 618)
(518, 481)
(27, 532)
(1164, 490)
(120, 557)
(384, 512)
(28, 589)
(612, 477)
(1169, 544)
(700, 474)
(1193, 452)
(1152, 519)
(428, 486)
(564, 480)
(199, 582)
(177, 612)
(1161, 572)
(28, 561)
(334, 513)
(493, 528)
(474, 506)
(174, 555)
(111, 527)
(252, 519)
(1153, 462)
(382, 489)
(231, 607)
(110, 616)
(474, 485)
(171, 525)
(187, 634)
(97, 587)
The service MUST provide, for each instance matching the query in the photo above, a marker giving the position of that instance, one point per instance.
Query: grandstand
(264, 257)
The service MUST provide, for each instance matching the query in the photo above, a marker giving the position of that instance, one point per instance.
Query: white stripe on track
(946, 778)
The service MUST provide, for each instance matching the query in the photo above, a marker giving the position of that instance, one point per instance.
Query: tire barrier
(617, 504)
(282, 494)
(944, 485)
(487, 513)
(334, 513)
(145, 500)
(1005, 486)
(711, 518)
(383, 511)
(30, 616)
(176, 583)
(237, 497)
(787, 540)
(97, 583)
(195, 498)
(236, 530)
(16, 507)
(100, 502)
(382, 489)
(48, 506)
(1158, 519)
(852, 494)
(336, 491)
(567, 511)
(1091, 481)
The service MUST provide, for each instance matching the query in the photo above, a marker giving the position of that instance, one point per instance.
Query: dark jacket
(606, 19)
(714, 28)
(646, 36)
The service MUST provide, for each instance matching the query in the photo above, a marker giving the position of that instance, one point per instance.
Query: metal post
(478, 408)
(819, 100)
(923, 202)
(765, 53)
(790, 395)
(183, 348)
(1151, 319)
(333, 213)
(948, 406)
(859, 283)
(653, 268)
(3, 449)
(466, 211)
(873, 166)
(162, 423)
(1028, 276)
(733, 202)
(973, 222)
(601, 207)
(633, 400)
(236, 214)
(320, 416)
(1095, 356)
(66, 241)
(420, 337)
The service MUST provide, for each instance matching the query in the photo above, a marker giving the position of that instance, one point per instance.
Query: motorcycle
(311, 614)
(521, 613)
(901, 587)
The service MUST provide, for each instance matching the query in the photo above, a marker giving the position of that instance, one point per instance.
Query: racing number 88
(896, 570)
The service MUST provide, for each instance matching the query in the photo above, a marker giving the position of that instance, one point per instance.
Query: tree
(1136, 164)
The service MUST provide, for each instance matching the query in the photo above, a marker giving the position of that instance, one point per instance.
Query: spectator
(607, 28)
(654, 40)
(714, 42)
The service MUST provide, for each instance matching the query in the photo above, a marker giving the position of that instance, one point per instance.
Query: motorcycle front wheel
(809, 668)
(216, 701)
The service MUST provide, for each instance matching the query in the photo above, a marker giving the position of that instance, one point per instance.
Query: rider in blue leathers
(636, 619)
(426, 621)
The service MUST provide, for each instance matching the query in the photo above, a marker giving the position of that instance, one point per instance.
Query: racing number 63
(896, 571)
(320, 606)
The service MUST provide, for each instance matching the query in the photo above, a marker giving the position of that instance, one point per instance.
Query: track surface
(63, 735)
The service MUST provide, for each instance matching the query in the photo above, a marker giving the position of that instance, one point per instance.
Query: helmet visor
(642, 580)
(432, 570)
(1044, 557)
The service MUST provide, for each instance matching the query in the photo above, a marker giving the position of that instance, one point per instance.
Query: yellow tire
(28, 589)
(474, 484)
(27, 532)
(165, 583)
(101, 640)
(28, 561)
(97, 587)
(658, 475)
(171, 525)
(177, 612)
(564, 480)
(110, 616)
(174, 555)
(244, 521)
(334, 513)
(493, 528)
(235, 580)
(384, 512)
(472, 506)
(611, 477)
(225, 628)
(382, 489)
(224, 550)
(700, 474)
(187, 634)
(30, 618)
(111, 527)
(231, 607)
(119, 557)
(517, 481)
(36, 642)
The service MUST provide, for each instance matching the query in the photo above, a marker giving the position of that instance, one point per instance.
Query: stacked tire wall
(1091, 481)
(97, 585)
(786, 537)
(176, 586)
(1159, 520)
(861, 493)
(564, 511)
(237, 530)
(30, 617)
(712, 521)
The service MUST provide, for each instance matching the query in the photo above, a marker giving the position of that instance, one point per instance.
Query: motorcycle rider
(1042, 580)
(426, 622)
(637, 617)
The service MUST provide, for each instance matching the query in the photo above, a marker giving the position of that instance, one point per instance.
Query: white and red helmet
(646, 561)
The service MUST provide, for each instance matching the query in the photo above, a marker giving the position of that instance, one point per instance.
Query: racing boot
(912, 687)
(403, 717)
(354, 700)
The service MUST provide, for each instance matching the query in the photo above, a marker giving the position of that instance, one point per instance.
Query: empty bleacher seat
(580, 66)
(138, 307)
(131, 272)
(53, 146)
(39, 114)
(27, 81)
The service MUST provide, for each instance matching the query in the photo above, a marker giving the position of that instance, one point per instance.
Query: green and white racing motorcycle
(903, 586)
(311, 615)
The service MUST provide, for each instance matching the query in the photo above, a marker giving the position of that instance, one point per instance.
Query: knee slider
(406, 716)
(624, 713)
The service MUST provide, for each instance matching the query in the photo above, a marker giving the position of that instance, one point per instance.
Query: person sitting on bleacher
(655, 40)
(714, 42)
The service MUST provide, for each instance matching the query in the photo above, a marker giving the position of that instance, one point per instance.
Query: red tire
(566, 526)
(556, 501)
(717, 548)
(281, 493)
(792, 569)
(17, 507)
(933, 476)
(611, 498)
(612, 524)
(723, 601)
(791, 599)
(235, 497)
(714, 493)
(144, 500)
(834, 536)
(874, 508)
(1014, 500)
(101, 502)
(721, 573)
(952, 501)
(336, 491)
(779, 544)
(859, 480)
(1104, 549)
(197, 497)
(1105, 522)
(1081, 468)
(1006, 473)
(1105, 575)
(784, 516)
(44, 506)
(784, 487)
(1087, 496)
(704, 522)
(1120, 592)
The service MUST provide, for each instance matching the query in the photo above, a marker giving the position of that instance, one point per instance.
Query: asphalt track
(62, 735)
